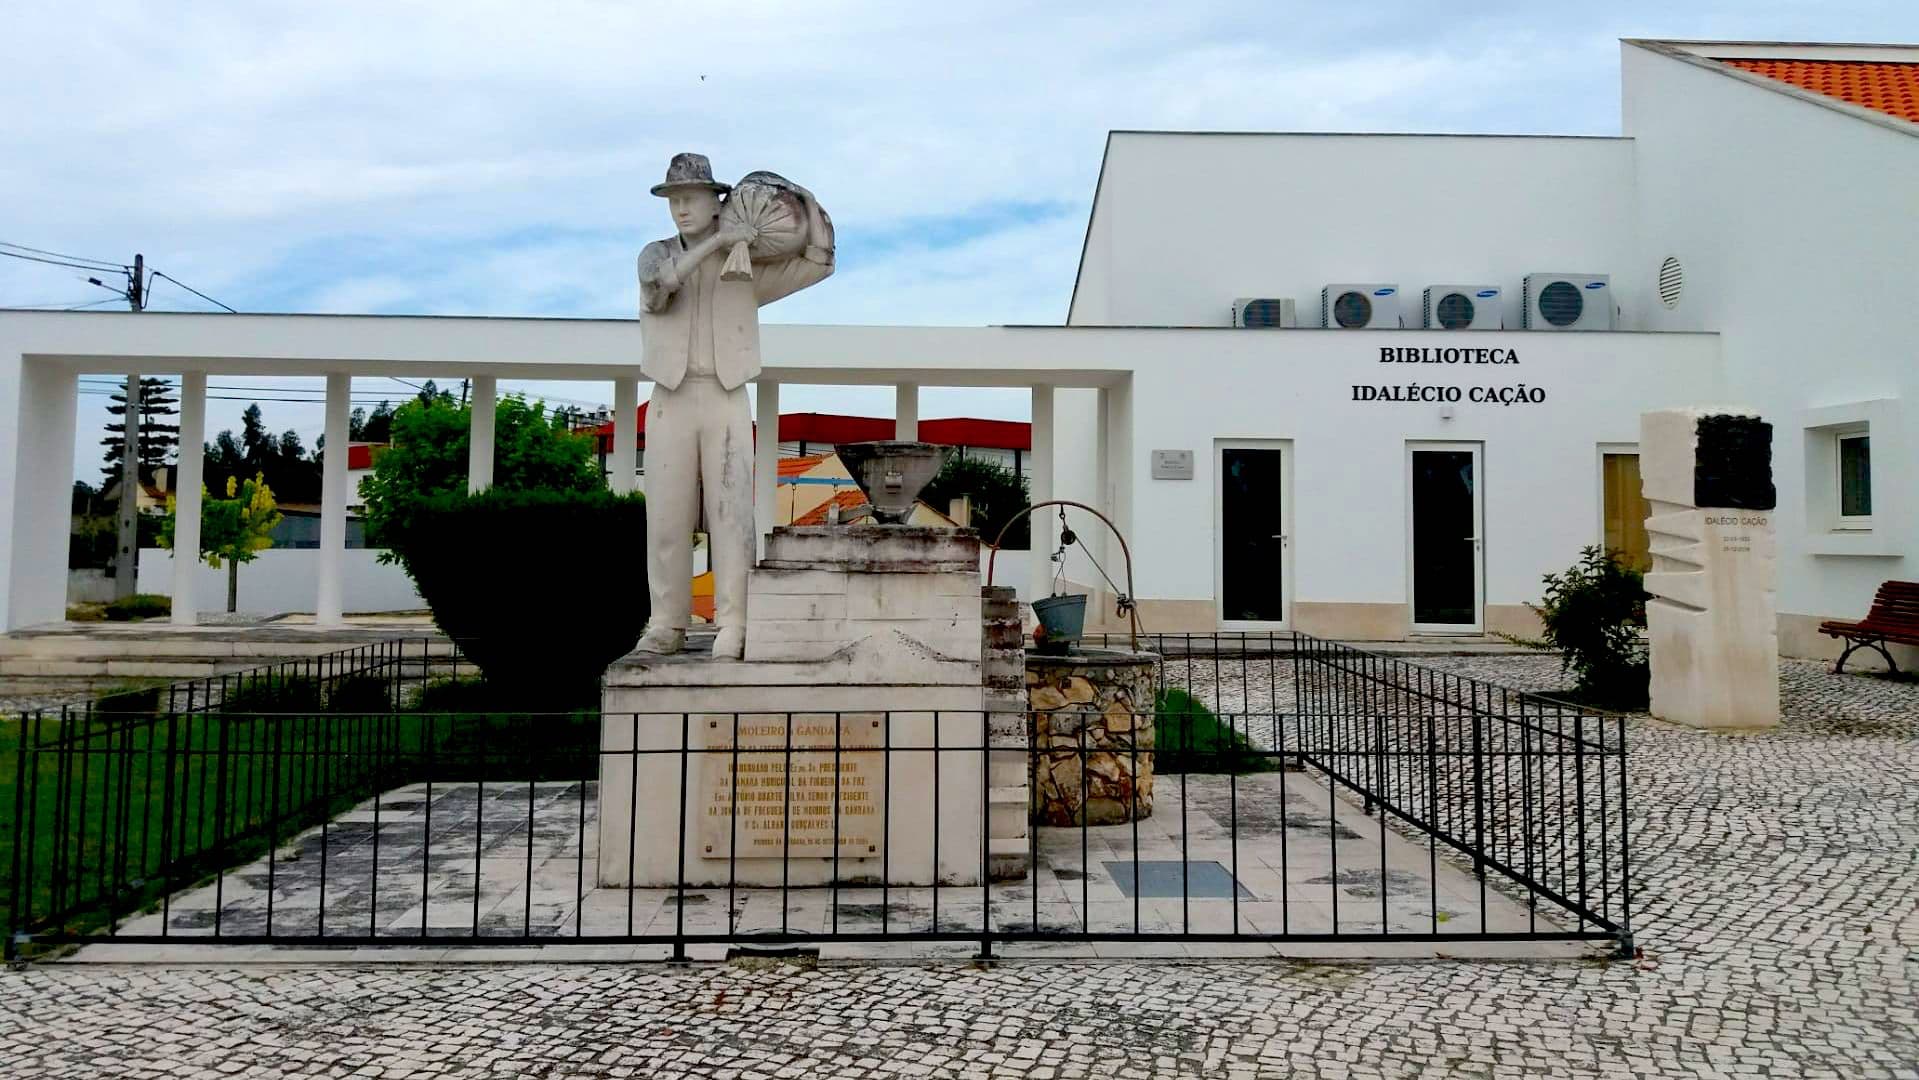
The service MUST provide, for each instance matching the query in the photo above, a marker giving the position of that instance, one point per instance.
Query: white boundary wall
(280, 580)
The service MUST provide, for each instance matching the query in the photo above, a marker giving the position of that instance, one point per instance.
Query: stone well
(1092, 716)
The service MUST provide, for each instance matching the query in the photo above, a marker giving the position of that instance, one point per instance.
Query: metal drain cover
(1170, 878)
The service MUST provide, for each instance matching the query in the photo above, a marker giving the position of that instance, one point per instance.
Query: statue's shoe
(662, 641)
(730, 643)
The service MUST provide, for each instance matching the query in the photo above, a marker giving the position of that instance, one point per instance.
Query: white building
(1747, 240)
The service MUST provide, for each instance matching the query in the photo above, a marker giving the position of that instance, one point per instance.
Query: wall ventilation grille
(1672, 281)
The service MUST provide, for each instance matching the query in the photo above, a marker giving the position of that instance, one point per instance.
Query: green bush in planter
(541, 589)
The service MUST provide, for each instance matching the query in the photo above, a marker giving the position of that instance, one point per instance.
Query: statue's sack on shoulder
(784, 218)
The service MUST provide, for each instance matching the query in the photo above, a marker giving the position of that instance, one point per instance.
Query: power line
(59, 305)
(102, 264)
(57, 262)
(192, 290)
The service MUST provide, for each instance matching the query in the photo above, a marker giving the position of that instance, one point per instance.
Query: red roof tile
(847, 500)
(800, 466)
(1890, 88)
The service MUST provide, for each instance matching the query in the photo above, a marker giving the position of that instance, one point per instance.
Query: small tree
(428, 458)
(997, 493)
(232, 529)
(1593, 614)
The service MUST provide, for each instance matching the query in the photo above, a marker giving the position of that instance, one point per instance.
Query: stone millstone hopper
(892, 474)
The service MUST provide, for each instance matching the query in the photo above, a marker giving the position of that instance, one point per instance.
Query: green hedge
(541, 589)
(139, 606)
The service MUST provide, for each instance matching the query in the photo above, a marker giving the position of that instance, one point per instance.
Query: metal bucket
(1062, 619)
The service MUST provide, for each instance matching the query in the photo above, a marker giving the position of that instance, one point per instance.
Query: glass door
(1444, 537)
(1250, 528)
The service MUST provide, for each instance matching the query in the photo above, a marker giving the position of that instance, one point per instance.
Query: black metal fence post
(22, 751)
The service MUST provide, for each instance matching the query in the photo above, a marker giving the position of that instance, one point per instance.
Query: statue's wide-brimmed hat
(689, 171)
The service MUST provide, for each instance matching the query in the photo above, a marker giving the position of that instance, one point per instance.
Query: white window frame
(1887, 533)
(1844, 522)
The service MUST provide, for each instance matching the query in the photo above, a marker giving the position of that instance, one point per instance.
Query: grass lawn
(1190, 738)
(110, 803)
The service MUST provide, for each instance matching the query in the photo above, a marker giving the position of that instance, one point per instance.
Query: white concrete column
(327, 609)
(479, 451)
(766, 461)
(186, 497)
(1117, 417)
(1040, 486)
(906, 412)
(620, 465)
(36, 489)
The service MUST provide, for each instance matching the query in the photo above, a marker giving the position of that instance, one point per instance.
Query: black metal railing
(1383, 801)
(1527, 790)
(120, 800)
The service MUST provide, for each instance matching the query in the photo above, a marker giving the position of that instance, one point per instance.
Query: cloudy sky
(493, 158)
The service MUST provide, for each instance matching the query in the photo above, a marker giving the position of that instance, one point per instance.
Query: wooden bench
(1894, 618)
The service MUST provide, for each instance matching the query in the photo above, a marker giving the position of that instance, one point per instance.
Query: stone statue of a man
(701, 339)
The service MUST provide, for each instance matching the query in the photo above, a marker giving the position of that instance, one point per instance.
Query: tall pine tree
(158, 439)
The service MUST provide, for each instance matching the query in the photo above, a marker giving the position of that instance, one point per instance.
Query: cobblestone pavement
(1778, 909)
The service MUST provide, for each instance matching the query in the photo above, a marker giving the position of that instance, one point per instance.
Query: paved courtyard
(1211, 855)
(1777, 905)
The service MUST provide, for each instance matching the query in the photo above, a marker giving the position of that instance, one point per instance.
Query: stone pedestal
(1712, 623)
(849, 745)
(1092, 717)
(822, 588)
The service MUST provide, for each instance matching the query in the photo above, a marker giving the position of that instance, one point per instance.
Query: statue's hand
(735, 233)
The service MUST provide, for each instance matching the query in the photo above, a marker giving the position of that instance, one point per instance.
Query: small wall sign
(1172, 464)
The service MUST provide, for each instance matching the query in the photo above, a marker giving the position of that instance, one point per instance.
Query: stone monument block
(849, 743)
(715, 770)
(1711, 622)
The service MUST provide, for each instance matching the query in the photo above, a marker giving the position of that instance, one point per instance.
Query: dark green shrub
(1594, 615)
(1190, 738)
(360, 695)
(143, 700)
(540, 589)
(139, 606)
(454, 695)
(274, 694)
(461, 732)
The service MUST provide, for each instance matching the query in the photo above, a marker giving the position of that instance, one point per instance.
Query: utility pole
(127, 558)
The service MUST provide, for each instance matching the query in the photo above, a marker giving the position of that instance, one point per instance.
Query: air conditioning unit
(1259, 313)
(1463, 307)
(1567, 302)
(1360, 307)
